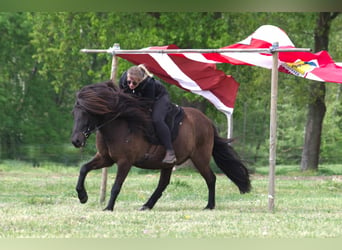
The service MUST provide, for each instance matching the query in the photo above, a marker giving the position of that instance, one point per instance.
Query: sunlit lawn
(42, 203)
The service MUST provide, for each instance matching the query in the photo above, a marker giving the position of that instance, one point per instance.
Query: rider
(138, 81)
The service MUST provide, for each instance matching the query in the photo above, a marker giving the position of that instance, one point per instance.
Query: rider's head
(136, 74)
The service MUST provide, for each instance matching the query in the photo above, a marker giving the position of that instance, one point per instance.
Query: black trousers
(159, 112)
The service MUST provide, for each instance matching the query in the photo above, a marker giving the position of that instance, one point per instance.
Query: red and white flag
(315, 66)
(197, 77)
(196, 72)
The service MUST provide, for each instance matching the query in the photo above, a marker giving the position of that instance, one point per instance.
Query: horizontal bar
(178, 51)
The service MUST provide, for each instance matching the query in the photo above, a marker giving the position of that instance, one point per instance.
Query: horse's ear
(112, 85)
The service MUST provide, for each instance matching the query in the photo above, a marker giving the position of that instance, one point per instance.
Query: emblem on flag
(299, 67)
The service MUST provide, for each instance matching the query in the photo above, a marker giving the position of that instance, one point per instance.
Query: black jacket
(149, 88)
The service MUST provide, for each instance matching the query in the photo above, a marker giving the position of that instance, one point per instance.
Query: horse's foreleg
(82, 193)
(96, 163)
(121, 175)
(164, 180)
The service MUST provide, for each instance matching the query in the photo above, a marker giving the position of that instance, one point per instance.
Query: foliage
(15, 75)
(42, 68)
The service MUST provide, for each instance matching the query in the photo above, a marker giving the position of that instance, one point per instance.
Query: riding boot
(170, 157)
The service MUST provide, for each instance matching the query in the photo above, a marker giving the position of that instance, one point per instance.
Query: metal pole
(273, 128)
(103, 187)
(113, 50)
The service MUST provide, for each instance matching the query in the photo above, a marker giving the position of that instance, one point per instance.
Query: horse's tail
(229, 162)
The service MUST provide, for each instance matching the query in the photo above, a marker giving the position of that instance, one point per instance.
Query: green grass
(42, 203)
(325, 170)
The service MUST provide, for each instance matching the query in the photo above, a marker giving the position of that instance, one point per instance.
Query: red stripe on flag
(201, 78)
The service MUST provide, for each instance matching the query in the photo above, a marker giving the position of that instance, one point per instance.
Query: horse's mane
(106, 98)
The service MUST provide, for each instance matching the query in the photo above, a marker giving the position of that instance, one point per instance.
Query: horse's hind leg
(210, 179)
(164, 180)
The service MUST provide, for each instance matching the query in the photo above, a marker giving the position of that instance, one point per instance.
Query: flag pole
(113, 72)
(273, 127)
(229, 125)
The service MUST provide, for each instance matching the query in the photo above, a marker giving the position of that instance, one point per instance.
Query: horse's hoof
(107, 209)
(209, 208)
(143, 208)
(83, 199)
(82, 195)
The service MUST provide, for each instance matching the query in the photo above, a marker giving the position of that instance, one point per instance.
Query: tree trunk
(313, 128)
(316, 108)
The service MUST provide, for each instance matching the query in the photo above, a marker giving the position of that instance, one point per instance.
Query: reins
(89, 131)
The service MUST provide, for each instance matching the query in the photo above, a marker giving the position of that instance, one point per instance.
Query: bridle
(89, 131)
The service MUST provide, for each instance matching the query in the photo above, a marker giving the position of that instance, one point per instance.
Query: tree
(15, 72)
(317, 107)
(42, 68)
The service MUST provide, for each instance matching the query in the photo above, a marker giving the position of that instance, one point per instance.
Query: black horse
(120, 121)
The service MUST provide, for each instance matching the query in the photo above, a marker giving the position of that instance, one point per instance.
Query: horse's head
(93, 102)
(99, 104)
(84, 124)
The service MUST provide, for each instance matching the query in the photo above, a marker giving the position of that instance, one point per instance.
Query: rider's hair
(139, 72)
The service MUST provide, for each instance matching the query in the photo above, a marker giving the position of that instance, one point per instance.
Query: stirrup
(170, 157)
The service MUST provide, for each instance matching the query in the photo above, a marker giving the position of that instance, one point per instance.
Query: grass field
(42, 203)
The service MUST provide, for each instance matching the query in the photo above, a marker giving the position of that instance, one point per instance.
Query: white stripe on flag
(198, 57)
(313, 77)
(270, 34)
(260, 60)
(168, 65)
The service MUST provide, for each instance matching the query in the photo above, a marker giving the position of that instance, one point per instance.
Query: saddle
(174, 118)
